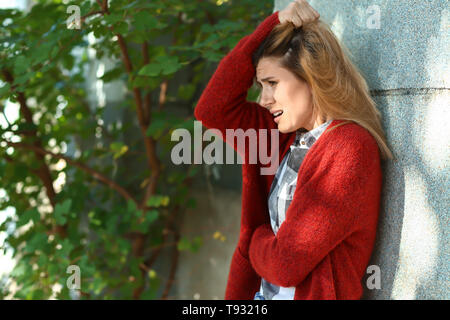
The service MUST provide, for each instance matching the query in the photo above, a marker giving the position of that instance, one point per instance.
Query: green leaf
(163, 64)
(38, 294)
(97, 285)
(22, 79)
(112, 74)
(121, 28)
(253, 94)
(131, 206)
(41, 53)
(26, 126)
(118, 148)
(20, 65)
(151, 216)
(169, 64)
(61, 211)
(93, 220)
(158, 200)
(32, 214)
(112, 18)
(148, 295)
(37, 241)
(5, 90)
(111, 223)
(19, 270)
(99, 30)
(157, 126)
(187, 124)
(213, 56)
(197, 242)
(150, 70)
(144, 81)
(186, 92)
(66, 248)
(193, 246)
(143, 21)
(133, 210)
(183, 244)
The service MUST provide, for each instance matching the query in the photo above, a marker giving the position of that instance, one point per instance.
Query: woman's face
(282, 91)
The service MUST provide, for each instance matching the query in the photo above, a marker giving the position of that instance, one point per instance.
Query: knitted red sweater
(324, 245)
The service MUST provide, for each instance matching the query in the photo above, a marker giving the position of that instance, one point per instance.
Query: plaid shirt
(280, 197)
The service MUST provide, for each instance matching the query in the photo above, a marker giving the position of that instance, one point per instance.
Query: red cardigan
(324, 245)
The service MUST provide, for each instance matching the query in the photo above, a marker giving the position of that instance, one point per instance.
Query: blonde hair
(314, 54)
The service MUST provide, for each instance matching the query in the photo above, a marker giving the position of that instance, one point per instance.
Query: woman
(307, 232)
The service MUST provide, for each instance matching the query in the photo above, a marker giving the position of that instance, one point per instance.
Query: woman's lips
(277, 119)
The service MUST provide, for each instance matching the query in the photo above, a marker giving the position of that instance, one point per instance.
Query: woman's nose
(266, 101)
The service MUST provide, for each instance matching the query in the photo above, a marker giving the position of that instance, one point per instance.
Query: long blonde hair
(314, 54)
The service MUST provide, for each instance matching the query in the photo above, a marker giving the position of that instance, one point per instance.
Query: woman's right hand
(299, 13)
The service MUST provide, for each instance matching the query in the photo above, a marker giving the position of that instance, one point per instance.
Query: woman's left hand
(299, 13)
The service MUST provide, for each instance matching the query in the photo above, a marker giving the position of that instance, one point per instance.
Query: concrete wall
(402, 48)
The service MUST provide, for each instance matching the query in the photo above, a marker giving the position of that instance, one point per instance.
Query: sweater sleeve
(223, 104)
(326, 209)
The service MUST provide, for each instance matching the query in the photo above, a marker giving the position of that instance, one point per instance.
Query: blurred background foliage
(95, 195)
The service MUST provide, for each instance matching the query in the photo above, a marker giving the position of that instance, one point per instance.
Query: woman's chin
(284, 130)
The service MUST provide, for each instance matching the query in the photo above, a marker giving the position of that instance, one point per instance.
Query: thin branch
(149, 142)
(162, 94)
(172, 226)
(149, 262)
(105, 6)
(145, 267)
(209, 16)
(95, 174)
(147, 98)
(43, 172)
(175, 253)
(173, 268)
(100, 4)
(124, 50)
(154, 161)
(163, 86)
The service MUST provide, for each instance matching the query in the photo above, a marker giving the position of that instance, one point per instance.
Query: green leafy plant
(120, 198)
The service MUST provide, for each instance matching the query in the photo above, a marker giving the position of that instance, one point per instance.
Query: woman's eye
(271, 83)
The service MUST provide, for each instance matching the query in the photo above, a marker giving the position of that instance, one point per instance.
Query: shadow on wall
(387, 246)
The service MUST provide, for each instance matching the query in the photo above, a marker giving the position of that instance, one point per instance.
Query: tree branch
(43, 172)
(147, 98)
(209, 16)
(174, 264)
(95, 174)
(149, 142)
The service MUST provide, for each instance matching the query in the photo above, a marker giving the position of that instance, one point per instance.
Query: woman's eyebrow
(265, 79)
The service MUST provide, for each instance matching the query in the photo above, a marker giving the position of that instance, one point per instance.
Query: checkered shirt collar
(310, 136)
